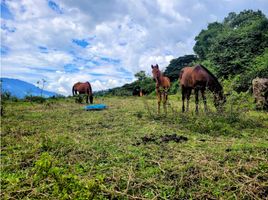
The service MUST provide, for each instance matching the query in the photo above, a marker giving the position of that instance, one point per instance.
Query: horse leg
(158, 93)
(91, 99)
(165, 101)
(159, 102)
(189, 91)
(87, 98)
(204, 100)
(196, 99)
(183, 98)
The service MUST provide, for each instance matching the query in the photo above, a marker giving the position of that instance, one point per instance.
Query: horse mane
(212, 75)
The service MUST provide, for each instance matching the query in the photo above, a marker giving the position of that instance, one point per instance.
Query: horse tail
(90, 93)
(73, 91)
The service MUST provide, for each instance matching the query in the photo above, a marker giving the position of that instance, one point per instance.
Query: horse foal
(162, 86)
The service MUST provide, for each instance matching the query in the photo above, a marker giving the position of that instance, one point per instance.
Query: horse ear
(152, 66)
(157, 66)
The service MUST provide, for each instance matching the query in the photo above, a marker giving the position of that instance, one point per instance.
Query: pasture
(56, 150)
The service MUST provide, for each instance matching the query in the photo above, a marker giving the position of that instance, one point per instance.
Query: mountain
(20, 89)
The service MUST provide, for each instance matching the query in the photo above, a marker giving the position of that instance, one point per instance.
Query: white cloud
(167, 8)
(123, 37)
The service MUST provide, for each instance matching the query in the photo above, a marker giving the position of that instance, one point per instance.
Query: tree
(259, 68)
(206, 38)
(140, 75)
(144, 83)
(42, 83)
(232, 46)
(173, 69)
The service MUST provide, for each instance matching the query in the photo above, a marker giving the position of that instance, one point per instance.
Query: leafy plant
(36, 99)
(63, 184)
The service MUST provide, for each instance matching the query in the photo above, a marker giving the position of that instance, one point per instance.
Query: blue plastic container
(95, 107)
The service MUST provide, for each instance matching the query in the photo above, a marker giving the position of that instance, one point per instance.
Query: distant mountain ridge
(20, 89)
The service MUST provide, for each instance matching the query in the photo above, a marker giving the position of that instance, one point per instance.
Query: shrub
(6, 96)
(36, 99)
(63, 184)
(174, 87)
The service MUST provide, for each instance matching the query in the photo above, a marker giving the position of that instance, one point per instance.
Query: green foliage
(63, 184)
(173, 69)
(257, 68)
(209, 65)
(147, 85)
(140, 75)
(243, 19)
(174, 87)
(78, 98)
(144, 83)
(206, 38)
(234, 45)
(120, 91)
(6, 96)
(260, 66)
(36, 99)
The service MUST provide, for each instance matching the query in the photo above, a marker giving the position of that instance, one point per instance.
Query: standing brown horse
(162, 86)
(200, 78)
(83, 88)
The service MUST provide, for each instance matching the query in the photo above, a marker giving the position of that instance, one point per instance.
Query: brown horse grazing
(200, 78)
(83, 88)
(162, 86)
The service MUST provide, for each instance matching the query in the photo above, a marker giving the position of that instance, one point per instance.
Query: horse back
(185, 77)
(194, 76)
(199, 75)
(83, 88)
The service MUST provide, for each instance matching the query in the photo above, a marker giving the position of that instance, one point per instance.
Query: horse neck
(160, 79)
(214, 86)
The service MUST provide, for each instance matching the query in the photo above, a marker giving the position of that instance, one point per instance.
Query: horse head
(219, 99)
(156, 73)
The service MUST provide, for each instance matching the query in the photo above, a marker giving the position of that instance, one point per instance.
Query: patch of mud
(161, 139)
(147, 139)
(173, 137)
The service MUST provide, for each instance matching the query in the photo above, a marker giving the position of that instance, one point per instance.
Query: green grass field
(56, 150)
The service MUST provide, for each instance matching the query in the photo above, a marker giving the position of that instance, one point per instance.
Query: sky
(104, 42)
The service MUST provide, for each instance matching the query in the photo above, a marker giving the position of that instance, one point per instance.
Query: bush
(78, 98)
(47, 178)
(174, 87)
(242, 101)
(36, 99)
(6, 96)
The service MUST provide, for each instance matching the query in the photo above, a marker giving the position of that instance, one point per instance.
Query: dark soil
(162, 139)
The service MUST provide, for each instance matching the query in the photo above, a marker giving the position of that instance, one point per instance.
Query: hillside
(20, 89)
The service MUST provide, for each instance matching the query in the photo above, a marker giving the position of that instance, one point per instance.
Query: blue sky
(106, 41)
